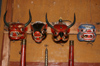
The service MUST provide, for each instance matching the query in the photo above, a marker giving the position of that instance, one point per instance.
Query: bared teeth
(86, 36)
(11, 34)
(64, 39)
(17, 33)
(56, 39)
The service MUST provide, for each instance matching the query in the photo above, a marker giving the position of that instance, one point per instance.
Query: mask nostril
(61, 34)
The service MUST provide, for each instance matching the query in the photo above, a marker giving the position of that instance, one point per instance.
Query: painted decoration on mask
(60, 30)
(39, 31)
(17, 31)
(86, 32)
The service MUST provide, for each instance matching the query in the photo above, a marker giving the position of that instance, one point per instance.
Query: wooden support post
(6, 49)
(71, 53)
(23, 53)
(6, 40)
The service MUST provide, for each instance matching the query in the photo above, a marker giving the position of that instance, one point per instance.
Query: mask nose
(61, 34)
(37, 33)
(88, 30)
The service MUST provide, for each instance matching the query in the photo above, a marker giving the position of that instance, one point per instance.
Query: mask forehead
(37, 26)
(14, 25)
(60, 35)
(87, 26)
(60, 30)
(61, 27)
(17, 31)
(38, 32)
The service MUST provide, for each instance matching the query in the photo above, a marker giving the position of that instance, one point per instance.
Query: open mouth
(15, 34)
(89, 36)
(59, 38)
(38, 38)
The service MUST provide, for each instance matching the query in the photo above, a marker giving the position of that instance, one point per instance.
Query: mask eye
(65, 33)
(93, 30)
(56, 33)
(20, 26)
(21, 29)
(81, 30)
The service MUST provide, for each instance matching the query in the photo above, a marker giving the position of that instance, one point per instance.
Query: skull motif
(17, 31)
(38, 31)
(60, 30)
(86, 32)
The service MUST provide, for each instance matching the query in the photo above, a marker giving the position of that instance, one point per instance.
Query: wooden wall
(87, 12)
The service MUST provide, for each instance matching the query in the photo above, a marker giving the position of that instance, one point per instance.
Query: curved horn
(48, 22)
(30, 18)
(73, 22)
(5, 19)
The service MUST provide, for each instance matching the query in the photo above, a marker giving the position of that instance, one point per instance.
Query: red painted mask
(17, 31)
(60, 30)
(38, 31)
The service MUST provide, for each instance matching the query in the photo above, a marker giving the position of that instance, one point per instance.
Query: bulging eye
(22, 29)
(93, 30)
(56, 33)
(81, 30)
(19, 26)
(65, 33)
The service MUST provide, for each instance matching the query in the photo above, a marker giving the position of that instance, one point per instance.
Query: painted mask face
(86, 32)
(39, 32)
(17, 31)
(60, 30)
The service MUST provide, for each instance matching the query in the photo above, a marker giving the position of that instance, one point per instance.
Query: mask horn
(5, 19)
(30, 18)
(48, 22)
(73, 22)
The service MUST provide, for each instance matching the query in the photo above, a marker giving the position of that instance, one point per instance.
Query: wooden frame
(6, 41)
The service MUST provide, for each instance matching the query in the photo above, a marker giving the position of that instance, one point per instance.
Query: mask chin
(58, 39)
(15, 35)
(64, 38)
(88, 36)
(38, 39)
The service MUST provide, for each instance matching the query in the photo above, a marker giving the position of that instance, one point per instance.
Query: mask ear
(46, 26)
(31, 28)
(52, 30)
(26, 28)
(78, 30)
(68, 30)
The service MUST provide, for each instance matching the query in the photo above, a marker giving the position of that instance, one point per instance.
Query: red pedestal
(23, 53)
(71, 53)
